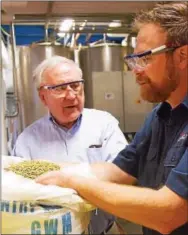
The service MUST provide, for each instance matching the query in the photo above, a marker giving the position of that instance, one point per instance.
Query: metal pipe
(58, 22)
(49, 12)
(13, 40)
(5, 33)
(89, 17)
(72, 44)
(122, 30)
(130, 49)
(14, 63)
(104, 38)
(88, 38)
(46, 32)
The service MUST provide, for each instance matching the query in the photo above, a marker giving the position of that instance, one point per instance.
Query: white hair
(51, 63)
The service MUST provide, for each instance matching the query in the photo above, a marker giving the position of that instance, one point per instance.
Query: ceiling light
(61, 35)
(117, 35)
(115, 23)
(66, 25)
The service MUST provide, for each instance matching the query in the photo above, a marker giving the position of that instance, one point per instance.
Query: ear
(182, 57)
(42, 97)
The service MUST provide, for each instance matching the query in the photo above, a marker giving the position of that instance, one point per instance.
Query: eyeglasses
(61, 89)
(141, 60)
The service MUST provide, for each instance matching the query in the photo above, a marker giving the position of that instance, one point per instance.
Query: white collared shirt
(44, 139)
(95, 137)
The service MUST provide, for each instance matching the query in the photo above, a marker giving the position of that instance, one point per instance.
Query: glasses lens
(61, 90)
(138, 63)
(76, 86)
(130, 63)
(145, 60)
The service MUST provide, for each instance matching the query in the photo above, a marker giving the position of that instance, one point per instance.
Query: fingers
(58, 178)
(47, 178)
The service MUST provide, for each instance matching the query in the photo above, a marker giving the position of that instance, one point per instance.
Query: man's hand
(66, 175)
(58, 178)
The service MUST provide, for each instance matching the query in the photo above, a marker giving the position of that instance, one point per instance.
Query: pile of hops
(33, 169)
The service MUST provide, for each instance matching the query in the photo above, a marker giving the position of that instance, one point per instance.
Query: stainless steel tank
(102, 67)
(31, 107)
(110, 87)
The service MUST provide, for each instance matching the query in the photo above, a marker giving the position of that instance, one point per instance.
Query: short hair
(51, 63)
(172, 17)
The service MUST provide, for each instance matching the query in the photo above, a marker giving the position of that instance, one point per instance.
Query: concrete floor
(130, 228)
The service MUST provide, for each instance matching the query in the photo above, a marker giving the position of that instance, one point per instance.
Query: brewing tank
(30, 105)
(103, 67)
(111, 87)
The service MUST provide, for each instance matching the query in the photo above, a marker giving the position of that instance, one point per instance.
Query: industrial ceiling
(89, 16)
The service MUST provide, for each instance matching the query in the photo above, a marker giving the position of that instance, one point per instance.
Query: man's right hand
(55, 178)
(68, 171)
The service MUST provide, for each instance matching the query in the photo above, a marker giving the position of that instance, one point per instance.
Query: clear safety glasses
(61, 89)
(141, 60)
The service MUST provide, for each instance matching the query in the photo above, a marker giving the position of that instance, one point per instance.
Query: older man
(158, 156)
(70, 133)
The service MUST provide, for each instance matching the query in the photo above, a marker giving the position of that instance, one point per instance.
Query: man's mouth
(70, 107)
(141, 83)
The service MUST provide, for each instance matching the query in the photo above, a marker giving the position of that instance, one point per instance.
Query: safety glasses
(141, 60)
(61, 89)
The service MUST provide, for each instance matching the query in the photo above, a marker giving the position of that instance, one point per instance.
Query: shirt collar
(165, 108)
(73, 129)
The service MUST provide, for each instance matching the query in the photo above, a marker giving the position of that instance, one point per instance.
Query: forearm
(110, 172)
(106, 171)
(140, 205)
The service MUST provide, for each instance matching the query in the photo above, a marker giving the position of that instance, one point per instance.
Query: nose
(70, 94)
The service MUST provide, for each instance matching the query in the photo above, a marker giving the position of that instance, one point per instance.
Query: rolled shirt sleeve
(177, 180)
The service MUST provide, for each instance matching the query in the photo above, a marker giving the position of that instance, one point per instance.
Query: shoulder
(35, 128)
(99, 116)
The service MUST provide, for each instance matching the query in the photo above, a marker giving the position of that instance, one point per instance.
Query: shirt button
(173, 159)
(170, 122)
